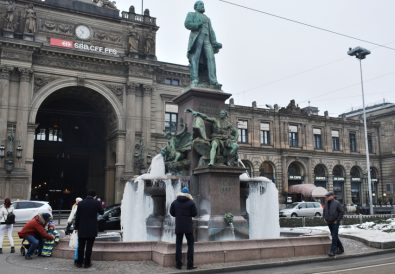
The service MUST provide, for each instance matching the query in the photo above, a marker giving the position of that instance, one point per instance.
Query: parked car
(302, 209)
(111, 219)
(25, 210)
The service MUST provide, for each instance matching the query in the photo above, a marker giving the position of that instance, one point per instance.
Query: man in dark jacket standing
(333, 214)
(86, 224)
(183, 209)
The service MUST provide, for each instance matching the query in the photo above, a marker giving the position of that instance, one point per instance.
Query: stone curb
(279, 263)
(380, 245)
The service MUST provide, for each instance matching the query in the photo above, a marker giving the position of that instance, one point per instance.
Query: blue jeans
(34, 244)
(336, 244)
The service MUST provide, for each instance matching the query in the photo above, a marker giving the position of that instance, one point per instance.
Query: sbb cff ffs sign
(61, 43)
(81, 46)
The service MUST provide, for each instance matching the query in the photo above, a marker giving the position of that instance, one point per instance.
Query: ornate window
(317, 138)
(265, 133)
(171, 116)
(353, 142)
(242, 127)
(335, 140)
(370, 143)
(293, 136)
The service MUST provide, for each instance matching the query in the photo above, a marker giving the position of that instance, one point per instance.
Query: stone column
(29, 147)
(4, 95)
(130, 141)
(119, 165)
(146, 123)
(329, 185)
(284, 172)
(347, 189)
(22, 113)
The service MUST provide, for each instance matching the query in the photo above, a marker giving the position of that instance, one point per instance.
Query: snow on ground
(374, 232)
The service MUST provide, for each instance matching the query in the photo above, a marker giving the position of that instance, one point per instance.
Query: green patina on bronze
(176, 149)
(201, 48)
(220, 148)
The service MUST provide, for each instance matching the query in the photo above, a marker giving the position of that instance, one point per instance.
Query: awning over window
(308, 190)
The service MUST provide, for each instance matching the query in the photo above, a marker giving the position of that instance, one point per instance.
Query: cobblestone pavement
(15, 263)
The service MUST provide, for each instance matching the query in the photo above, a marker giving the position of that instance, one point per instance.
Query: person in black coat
(86, 225)
(333, 214)
(183, 209)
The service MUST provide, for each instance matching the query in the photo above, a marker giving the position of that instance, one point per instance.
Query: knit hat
(185, 189)
(46, 217)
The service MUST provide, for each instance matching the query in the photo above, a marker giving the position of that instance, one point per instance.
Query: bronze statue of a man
(201, 48)
(222, 141)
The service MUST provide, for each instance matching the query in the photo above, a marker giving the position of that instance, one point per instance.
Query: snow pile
(384, 226)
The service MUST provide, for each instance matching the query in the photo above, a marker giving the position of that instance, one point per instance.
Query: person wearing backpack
(7, 220)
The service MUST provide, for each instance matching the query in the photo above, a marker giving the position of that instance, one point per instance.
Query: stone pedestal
(219, 193)
(28, 36)
(207, 101)
(8, 33)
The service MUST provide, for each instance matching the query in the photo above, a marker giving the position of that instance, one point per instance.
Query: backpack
(10, 218)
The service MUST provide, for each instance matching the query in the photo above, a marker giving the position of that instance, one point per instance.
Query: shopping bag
(73, 243)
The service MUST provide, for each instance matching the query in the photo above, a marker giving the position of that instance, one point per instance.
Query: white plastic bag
(73, 243)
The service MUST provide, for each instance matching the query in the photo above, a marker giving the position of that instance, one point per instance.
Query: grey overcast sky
(270, 60)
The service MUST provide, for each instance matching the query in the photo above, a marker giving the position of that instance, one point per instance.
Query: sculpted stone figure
(9, 16)
(201, 48)
(133, 42)
(105, 4)
(221, 147)
(31, 20)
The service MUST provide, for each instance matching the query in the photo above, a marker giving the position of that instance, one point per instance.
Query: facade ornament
(105, 4)
(149, 45)
(9, 16)
(41, 80)
(25, 74)
(5, 72)
(131, 88)
(117, 90)
(148, 90)
(30, 20)
(133, 42)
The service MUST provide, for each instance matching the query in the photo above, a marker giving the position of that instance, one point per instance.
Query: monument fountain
(237, 215)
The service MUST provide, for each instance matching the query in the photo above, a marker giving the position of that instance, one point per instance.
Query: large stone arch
(56, 85)
(112, 184)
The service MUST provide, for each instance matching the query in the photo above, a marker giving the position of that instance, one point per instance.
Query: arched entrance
(72, 146)
(267, 170)
(320, 175)
(356, 183)
(338, 182)
(295, 177)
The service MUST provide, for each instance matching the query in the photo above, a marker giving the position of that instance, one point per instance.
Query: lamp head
(359, 52)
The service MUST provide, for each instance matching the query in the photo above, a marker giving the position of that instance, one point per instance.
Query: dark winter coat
(86, 217)
(183, 209)
(333, 212)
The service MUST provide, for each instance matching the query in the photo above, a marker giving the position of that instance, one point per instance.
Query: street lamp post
(360, 53)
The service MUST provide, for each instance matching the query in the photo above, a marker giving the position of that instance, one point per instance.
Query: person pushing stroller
(34, 232)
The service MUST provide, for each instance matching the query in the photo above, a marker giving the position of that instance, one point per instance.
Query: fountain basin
(163, 253)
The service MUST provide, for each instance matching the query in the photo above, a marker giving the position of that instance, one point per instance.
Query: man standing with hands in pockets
(333, 214)
(183, 209)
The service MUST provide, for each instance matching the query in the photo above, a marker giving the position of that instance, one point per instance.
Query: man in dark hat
(333, 214)
(34, 232)
(86, 225)
(183, 209)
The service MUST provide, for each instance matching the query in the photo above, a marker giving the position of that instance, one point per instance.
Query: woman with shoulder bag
(5, 225)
